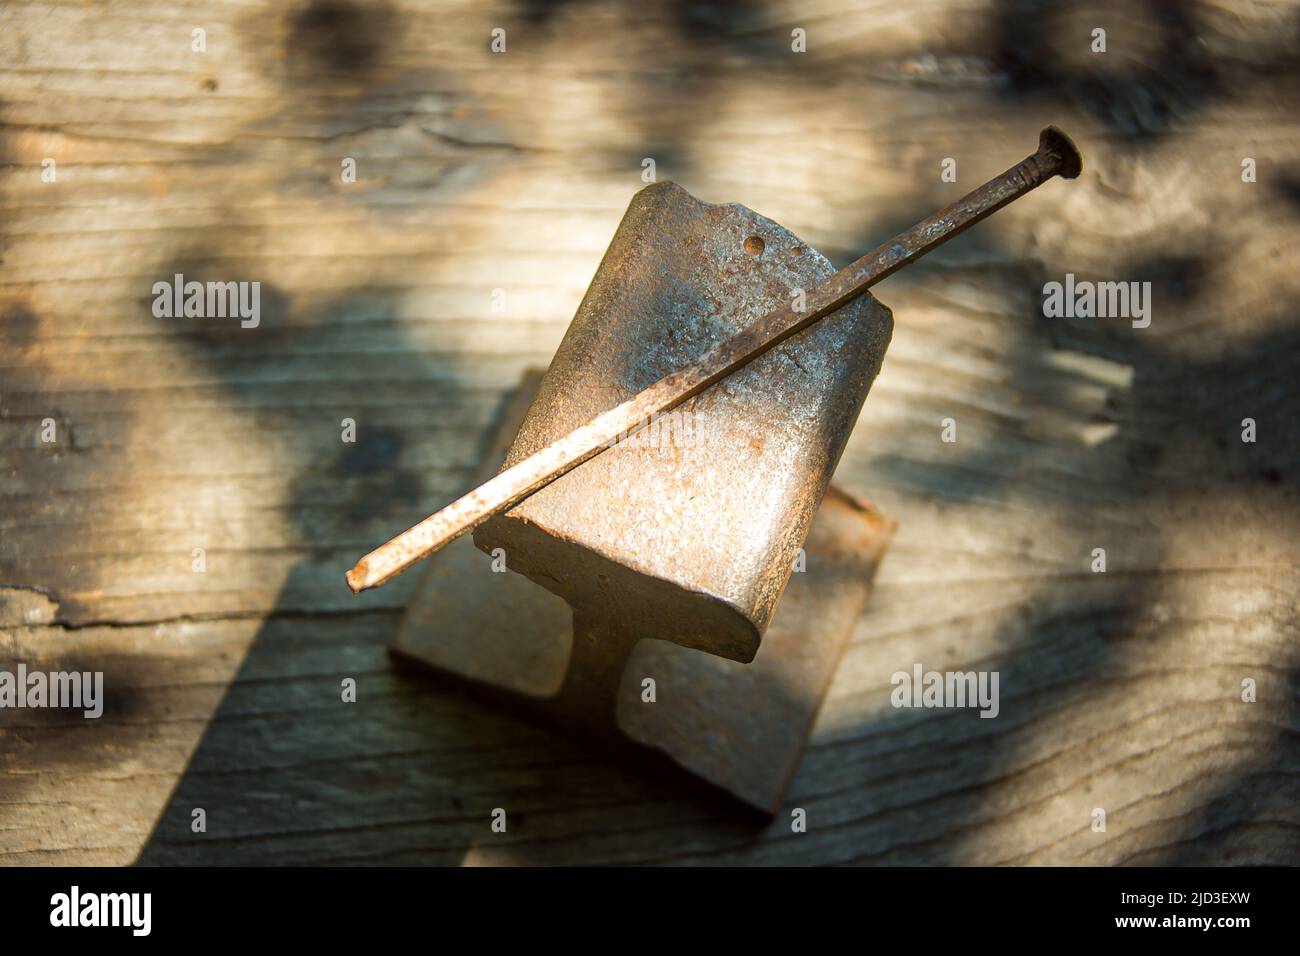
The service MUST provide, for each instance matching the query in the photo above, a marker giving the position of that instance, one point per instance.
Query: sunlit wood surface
(479, 172)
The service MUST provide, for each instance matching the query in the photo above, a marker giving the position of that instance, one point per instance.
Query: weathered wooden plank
(481, 172)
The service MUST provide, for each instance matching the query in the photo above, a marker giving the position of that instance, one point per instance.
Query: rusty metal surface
(741, 727)
(752, 337)
(744, 727)
(687, 531)
(676, 546)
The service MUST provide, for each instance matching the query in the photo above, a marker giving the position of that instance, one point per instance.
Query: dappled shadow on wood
(1120, 690)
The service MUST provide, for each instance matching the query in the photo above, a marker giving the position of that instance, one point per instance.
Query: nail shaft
(1056, 155)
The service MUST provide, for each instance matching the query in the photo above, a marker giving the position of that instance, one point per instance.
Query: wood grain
(479, 172)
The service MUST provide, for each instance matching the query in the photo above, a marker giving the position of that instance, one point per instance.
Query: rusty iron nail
(1056, 156)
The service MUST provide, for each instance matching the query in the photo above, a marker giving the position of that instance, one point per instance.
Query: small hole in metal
(754, 245)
